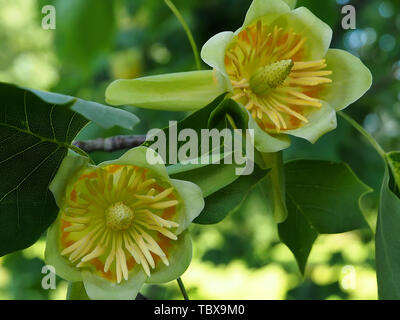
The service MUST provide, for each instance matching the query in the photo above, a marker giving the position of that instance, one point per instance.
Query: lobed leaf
(226, 200)
(322, 197)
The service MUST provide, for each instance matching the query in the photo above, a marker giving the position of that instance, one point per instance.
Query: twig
(111, 143)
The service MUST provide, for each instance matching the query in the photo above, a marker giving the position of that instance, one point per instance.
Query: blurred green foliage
(98, 41)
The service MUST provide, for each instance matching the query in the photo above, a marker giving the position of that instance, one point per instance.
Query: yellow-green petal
(182, 91)
(70, 167)
(350, 79)
(53, 257)
(291, 3)
(192, 206)
(305, 23)
(320, 122)
(179, 257)
(267, 10)
(139, 157)
(213, 53)
(98, 288)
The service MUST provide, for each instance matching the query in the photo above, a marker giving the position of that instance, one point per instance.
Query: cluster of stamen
(117, 217)
(270, 79)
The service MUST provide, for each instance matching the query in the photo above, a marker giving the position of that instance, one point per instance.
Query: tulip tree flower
(121, 224)
(277, 66)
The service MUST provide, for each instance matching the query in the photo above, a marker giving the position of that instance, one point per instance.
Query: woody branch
(110, 144)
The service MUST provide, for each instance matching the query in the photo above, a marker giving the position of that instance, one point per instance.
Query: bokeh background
(96, 41)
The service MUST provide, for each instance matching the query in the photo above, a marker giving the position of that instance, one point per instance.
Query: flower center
(119, 217)
(270, 77)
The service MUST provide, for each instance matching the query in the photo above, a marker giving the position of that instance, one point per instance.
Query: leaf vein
(28, 175)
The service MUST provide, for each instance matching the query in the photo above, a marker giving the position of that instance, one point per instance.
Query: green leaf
(387, 239)
(236, 113)
(219, 204)
(36, 131)
(322, 197)
(211, 116)
(196, 121)
(105, 116)
(209, 177)
(212, 178)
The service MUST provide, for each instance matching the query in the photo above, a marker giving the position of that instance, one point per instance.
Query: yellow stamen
(308, 64)
(97, 252)
(164, 205)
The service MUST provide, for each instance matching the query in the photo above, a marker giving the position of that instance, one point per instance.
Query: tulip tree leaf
(36, 131)
(322, 197)
(388, 226)
(226, 200)
(216, 180)
(214, 115)
(105, 116)
(230, 108)
(196, 121)
(210, 177)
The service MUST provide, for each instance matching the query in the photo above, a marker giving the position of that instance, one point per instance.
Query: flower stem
(183, 290)
(187, 30)
(274, 185)
(365, 133)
